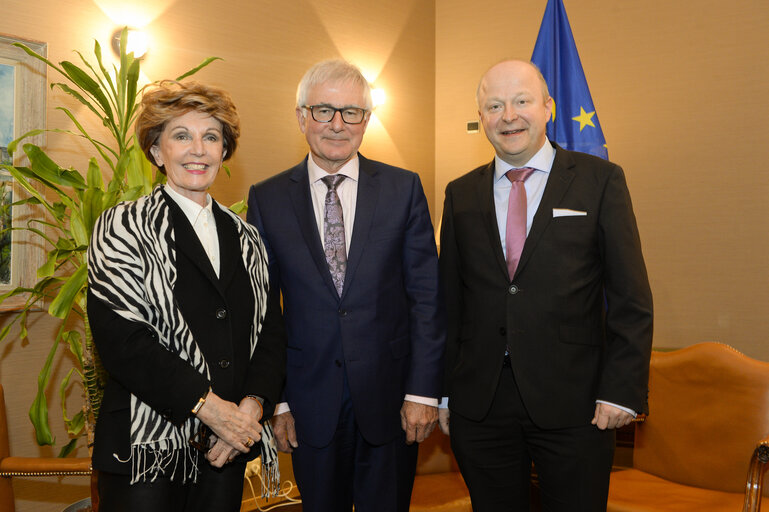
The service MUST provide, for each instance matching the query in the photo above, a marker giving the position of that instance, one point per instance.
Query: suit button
(342, 312)
(513, 289)
(502, 331)
(224, 364)
(338, 363)
(221, 314)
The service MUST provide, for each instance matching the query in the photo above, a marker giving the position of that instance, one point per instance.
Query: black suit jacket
(219, 312)
(567, 348)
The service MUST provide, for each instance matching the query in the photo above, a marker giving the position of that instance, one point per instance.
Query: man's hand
(285, 432)
(608, 416)
(443, 420)
(418, 420)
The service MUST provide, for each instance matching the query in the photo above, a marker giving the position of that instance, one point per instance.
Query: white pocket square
(565, 212)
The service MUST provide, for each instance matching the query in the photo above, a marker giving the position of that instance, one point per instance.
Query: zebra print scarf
(132, 267)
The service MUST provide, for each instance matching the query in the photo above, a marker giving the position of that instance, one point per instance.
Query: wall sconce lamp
(378, 97)
(137, 42)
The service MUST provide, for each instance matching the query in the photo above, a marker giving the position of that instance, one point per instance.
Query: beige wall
(267, 46)
(681, 91)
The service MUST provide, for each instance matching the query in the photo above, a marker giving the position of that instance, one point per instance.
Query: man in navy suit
(351, 247)
(549, 308)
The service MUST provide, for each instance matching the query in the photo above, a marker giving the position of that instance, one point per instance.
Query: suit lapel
(187, 242)
(561, 176)
(485, 192)
(229, 246)
(302, 202)
(365, 206)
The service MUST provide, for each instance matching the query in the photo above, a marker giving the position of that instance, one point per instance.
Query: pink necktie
(515, 231)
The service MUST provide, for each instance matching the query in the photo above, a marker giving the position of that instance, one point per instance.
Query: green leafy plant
(78, 199)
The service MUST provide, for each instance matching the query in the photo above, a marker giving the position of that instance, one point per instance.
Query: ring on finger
(249, 442)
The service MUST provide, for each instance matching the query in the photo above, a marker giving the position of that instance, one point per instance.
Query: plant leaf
(89, 85)
(92, 208)
(12, 145)
(78, 229)
(62, 304)
(74, 425)
(68, 448)
(47, 170)
(74, 340)
(132, 78)
(95, 179)
(47, 268)
(239, 207)
(36, 55)
(200, 66)
(131, 194)
(104, 72)
(38, 412)
(79, 97)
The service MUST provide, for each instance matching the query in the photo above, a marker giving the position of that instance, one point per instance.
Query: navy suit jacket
(577, 315)
(386, 330)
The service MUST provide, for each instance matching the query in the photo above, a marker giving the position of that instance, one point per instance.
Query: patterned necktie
(515, 231)
(333, 233)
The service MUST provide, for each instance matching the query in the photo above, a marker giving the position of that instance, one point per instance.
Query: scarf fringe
(148, 462)
(269, 475)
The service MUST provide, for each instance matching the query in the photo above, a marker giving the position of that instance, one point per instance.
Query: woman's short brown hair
(168, 99)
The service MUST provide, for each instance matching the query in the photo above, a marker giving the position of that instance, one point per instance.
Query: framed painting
(22, 108)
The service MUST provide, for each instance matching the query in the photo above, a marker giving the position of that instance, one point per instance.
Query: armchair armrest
(754, 484)
(44, 466)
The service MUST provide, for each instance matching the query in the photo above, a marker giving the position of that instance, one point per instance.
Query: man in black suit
(352, 249)
(549, 340)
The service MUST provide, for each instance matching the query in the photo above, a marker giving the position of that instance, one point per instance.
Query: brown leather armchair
(438, 486)
(707, 427)
(30, 466)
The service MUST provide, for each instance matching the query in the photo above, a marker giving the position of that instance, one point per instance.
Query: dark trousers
(376, 478)
(495, 457)
(216, 489)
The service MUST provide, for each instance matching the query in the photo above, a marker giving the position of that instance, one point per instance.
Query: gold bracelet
(261, 407)
(201, 401)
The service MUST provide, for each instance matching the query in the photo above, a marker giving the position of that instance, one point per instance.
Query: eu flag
(574, 124)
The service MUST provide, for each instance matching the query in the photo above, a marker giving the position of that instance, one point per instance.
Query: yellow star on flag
(584, 118)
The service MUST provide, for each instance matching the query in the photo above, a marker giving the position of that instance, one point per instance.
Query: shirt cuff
(444, 403)
(281, 408)
(629, 411)
(424, 400)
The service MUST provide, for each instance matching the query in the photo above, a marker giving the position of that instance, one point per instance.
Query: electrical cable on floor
(253, 469)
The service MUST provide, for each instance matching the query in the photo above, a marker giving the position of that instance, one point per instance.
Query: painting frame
(29, 113)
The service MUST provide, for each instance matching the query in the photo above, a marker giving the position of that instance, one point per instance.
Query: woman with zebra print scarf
(184, 322)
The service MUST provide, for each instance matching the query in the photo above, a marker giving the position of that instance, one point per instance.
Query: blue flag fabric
(574, 124)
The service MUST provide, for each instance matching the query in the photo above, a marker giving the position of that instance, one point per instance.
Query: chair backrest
(6, 486)
(708, 408)
(435, 455)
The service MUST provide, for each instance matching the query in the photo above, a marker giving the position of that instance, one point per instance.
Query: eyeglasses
(325, 113)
